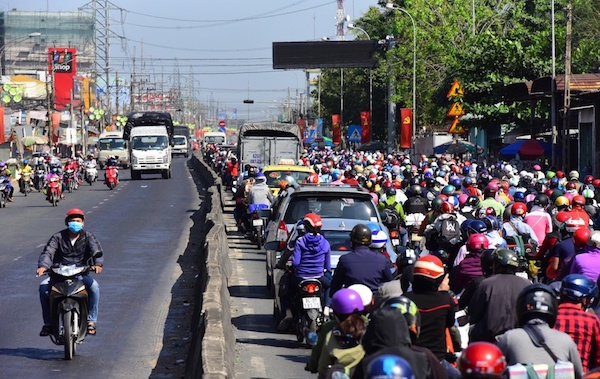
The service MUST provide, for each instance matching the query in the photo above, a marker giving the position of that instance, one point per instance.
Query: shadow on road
(254, 323)
(34, 353)
(250, 291)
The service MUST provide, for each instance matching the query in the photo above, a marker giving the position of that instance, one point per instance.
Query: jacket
(361, 266)
(312, 255)
(59, 250)
(335, 353)
(260, 193)
(587, 263)
(468, 269)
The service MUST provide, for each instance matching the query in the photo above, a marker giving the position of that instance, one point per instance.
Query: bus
(112, 143)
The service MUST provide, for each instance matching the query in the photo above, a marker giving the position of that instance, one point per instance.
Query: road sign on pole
(354, 133)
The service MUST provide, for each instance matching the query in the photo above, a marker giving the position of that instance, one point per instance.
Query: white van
(181, 146)
(112, 143)
(218, 138)
(149, 151)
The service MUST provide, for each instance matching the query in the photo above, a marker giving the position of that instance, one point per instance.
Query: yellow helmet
(561, 201)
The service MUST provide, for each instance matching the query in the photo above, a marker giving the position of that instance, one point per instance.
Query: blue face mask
(75, 226)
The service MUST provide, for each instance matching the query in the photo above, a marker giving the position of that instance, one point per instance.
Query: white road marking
(40, 245)
(17, 258)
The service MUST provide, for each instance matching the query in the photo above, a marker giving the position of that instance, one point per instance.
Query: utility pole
(132, 88)
(567, 100)
(117, 93)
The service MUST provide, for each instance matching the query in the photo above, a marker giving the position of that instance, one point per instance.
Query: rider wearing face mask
(72, 245)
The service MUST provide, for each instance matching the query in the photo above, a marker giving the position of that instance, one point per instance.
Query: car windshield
(274, 177)
(111, 144)
(330, 207)
(149, 143)
(179, 140)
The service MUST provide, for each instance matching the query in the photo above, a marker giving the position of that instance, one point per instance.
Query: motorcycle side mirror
(272, 245)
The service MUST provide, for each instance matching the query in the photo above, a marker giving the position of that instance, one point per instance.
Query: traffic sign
(455, 91)
(354, 133)
(456, 127)
(456, 110)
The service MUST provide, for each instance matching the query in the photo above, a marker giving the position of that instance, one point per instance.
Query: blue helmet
(579, 288)
(491, 223)
(455, 181)
(519, 196)
(373, 226)
(476, 226)
(389, 367)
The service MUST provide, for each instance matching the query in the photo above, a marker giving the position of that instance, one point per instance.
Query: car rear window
(274, 177)
(338, 239)
(329, 207)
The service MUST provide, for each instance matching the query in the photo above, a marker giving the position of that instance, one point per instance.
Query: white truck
(269, 143)
(149, 151)
(181, 145)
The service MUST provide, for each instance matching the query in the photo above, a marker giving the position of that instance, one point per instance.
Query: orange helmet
(313, 178)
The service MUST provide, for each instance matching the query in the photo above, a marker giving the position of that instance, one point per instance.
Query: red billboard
(62, 66)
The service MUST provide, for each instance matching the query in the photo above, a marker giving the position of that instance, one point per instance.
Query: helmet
(365, 293)
(373, 226)
(482, 360)
(378, 239)
(283, 184)
(455, 181)
(476, 227)
(589, 179)
(579, 288)
(561, 201)
(389, 367)
(574, 175)
(300, 228)
(346, 301)
(447, 207)
(260, 177)
(506, 257)
(596, 183)
(415, 190)
(537, 301)
(361, 235)
(588, 193)
(462, 199)
(487, 261)
(554, 182)
(448, 190)
(391, 191)
(25, 161)
(518, 209)
(313, 223)
(2, 164)
(75, 213)
(409, 310)
(437, 203)
(519, 196)
(570, 186)
(581, 236)
(560, 174)
(312, 178)
(490, 190)
(405, 258)
(251, 171)
(579, 200)
(491, 223)
(429, 266)
(472, 201)
(477, 242)
(468, 181)
(541, 200)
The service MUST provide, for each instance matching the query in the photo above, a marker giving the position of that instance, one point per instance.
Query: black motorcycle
(309, 310)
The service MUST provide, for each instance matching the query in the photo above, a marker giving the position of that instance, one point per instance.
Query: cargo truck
(269, 143)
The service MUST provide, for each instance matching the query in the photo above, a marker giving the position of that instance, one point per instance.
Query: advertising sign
(62, 66)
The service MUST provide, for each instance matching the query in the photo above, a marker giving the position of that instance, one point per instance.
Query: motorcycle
(3, 191)
(26, 182)
(91, 173)
(413, 222)
(259, 214)
(53, 190)
(111, 177)
(309, 310)
(69, 178)
(69, 307)
(39, 179)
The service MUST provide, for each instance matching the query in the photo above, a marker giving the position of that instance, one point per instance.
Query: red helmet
(312, 178)
(75, 212)
(482, 360)
(581, 236)
(477, 242)
(447, 207)
(491, 189)
(589, 179)
(312, 222)
(560, 174)
(570, 186)
(596, 183)
(518, 209)
(578, 200)
(489, 211)
(443, 197)
(397, 184)
(386, 184)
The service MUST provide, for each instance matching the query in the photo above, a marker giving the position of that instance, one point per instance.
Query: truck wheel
(135, 175)
(166, 174)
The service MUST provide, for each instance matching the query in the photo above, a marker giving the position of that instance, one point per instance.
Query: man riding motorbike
(27, 170)
(72, 245)
(5, 172)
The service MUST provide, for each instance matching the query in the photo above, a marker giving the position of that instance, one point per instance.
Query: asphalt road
(143, 227)
(261, 352)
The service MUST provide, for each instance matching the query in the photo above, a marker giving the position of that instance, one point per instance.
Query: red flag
(406, 126)
(365, 121)
(302, 124)
(2, 138)
(55, 122)
(337, 129)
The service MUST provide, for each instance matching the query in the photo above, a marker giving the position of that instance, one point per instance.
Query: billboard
(62, 66)
(324, 54)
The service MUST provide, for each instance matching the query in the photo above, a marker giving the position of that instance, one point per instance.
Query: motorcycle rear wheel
(68, 337)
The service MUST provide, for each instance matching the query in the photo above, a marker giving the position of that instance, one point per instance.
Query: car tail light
(311, 288)
(282, 234)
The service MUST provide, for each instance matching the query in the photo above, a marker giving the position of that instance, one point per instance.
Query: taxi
(291, 173)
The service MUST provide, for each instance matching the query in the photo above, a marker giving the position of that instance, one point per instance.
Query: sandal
(91, 329)
(46, 331)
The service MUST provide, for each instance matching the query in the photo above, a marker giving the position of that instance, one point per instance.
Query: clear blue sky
(225, 46)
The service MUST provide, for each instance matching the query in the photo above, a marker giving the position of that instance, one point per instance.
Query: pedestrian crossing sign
(354, 133)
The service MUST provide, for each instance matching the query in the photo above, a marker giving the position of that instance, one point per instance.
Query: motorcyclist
(73, 245)
(25, 169)
(5, 172)
(111, 162)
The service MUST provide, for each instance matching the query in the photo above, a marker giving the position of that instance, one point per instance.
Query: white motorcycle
(91, 173)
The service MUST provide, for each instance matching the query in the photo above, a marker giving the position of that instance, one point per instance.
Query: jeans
(92, 287)
(403, 236)
(452, 371)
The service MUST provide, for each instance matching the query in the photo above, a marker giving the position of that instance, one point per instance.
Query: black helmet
(541, 200)
(487, 262)
(415, 190)
(506, 257)
(361, 235)
(537, 301)
(437, 203)
(405, 257)
(390, 191)
(472, 201)
(252, 172)
(414, 181)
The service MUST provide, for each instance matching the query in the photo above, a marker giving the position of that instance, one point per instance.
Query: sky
(221, 49)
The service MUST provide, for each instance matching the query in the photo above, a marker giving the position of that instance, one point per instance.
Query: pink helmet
(529, 198)
(570, 196)
(462, 199)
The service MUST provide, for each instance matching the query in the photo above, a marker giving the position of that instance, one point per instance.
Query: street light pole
(414, 78)
(353, 26)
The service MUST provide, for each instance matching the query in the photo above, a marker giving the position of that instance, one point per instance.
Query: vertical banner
(302, 124)
(62, 67)
(55, 123)
(2, 137)
(319, 128)
(337, 129)
(365, 121)
(406, 117)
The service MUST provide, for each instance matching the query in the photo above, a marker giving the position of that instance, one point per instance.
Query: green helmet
(506, 257)
(361, 235)
(437, 203)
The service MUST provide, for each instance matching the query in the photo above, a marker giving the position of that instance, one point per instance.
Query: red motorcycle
(54, 190)
(111, 177)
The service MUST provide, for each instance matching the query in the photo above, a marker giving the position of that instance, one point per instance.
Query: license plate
(395, 241)
(311, 303)
(258, 222)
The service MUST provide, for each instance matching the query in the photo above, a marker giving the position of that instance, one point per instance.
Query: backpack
(392, 219)
(449, 234)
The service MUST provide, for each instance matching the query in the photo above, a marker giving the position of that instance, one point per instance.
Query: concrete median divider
(212, 349)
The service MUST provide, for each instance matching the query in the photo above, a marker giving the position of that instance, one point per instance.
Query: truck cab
(150, 151)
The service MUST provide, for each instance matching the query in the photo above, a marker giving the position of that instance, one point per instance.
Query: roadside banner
(365, 121)
(337, 129)
(406, 117)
